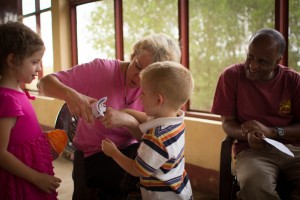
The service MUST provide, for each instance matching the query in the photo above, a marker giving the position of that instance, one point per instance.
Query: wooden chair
(228, 185)
(67, 122)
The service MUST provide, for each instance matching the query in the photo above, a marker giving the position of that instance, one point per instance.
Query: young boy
(160, 163)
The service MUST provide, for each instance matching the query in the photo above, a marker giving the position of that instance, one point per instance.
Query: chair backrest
(68, 123)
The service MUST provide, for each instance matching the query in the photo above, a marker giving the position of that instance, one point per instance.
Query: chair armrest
(226, 178)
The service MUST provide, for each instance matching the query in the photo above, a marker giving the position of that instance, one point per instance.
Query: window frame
(281, 24)
(37, 13)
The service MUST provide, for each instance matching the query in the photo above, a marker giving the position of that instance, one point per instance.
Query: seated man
(260, 99)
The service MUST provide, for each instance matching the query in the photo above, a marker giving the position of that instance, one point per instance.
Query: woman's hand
(80, 105)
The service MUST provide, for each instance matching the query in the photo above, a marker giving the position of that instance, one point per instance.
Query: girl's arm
(14, 166)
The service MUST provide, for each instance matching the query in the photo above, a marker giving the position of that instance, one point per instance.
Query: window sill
(203, 115)
(36, 94)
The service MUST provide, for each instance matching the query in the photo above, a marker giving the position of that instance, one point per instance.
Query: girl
(26, 170)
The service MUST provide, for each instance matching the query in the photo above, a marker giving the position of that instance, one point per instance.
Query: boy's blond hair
(162, 47)
(171, 79)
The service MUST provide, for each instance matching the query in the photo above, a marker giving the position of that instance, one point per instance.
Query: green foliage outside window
(219, 34)
(294, 35)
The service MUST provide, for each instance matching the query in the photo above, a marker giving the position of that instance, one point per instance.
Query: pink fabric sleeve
(9, 107)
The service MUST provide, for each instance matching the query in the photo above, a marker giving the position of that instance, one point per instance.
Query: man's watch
(279, 131)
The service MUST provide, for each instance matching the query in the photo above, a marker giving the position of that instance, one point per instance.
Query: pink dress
(28, 143)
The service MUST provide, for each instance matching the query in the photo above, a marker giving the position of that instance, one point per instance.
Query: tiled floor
(63, 170)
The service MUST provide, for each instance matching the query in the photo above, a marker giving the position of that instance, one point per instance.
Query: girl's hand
(109, 147)
(47, 183)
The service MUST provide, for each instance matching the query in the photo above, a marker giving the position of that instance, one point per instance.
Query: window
(214, 34)
(294, 35)
(142, 18)
(218, 37)
(95, 31)
(37, 15)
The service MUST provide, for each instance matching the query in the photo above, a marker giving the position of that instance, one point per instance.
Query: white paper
(279, 146)
(99, 108)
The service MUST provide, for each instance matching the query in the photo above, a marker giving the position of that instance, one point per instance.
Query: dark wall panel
(8, 10)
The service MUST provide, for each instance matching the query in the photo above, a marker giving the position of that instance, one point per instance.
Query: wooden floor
(63, 170)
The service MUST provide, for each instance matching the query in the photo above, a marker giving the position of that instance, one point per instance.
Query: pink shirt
(275, 103)
(97, 79)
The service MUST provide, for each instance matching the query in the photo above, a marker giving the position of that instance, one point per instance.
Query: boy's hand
(109, 147)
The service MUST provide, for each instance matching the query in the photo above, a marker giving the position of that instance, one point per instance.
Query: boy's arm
(126, 163)
(119, 118)
(141, 117)
(138, 115)
(110, 149)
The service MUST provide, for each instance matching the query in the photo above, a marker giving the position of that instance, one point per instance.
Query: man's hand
(255, 132)
(254, 125)
(256, 141)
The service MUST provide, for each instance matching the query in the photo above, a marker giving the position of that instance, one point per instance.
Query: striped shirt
(160, 160)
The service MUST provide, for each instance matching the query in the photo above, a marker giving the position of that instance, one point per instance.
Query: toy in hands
(99, 108)
(58, 140)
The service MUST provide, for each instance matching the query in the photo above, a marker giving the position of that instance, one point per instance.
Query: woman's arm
(49, 85)
(78, 104)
